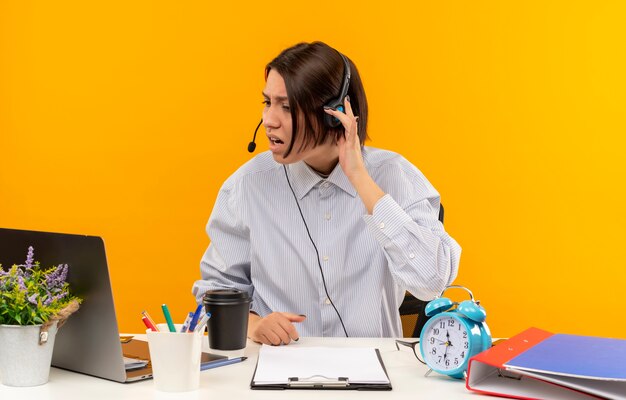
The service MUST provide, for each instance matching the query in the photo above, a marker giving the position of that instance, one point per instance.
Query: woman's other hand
(275, 329)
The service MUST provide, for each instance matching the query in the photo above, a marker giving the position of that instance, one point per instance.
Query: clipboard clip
(318, 381)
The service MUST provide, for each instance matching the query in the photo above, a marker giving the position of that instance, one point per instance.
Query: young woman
(325, 234)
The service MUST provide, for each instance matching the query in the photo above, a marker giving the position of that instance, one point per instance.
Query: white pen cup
(175, 359)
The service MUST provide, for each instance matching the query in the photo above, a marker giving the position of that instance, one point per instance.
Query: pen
(168, 318)
(187, 322)
(149, 324)
(221, 363)
(202, 322)
(196, 316)
(147, 316)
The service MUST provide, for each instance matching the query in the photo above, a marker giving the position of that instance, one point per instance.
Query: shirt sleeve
(226, 262)
(422, 257)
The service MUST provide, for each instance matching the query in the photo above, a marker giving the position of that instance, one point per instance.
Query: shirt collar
(303, 179)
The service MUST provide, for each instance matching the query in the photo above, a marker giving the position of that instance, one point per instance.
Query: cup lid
(226, 295)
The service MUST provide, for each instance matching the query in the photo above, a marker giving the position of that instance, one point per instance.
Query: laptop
(89, 341)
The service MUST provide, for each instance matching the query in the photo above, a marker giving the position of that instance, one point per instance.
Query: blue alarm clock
(454, 333)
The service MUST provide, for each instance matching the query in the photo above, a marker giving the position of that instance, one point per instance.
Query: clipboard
(367, 367)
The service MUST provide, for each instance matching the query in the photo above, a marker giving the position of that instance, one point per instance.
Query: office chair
(412, 309)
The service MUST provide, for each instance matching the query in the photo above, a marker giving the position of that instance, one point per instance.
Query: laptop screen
(89, 341)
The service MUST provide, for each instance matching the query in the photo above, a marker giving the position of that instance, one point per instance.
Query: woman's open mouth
(277, 146)
(274, 140)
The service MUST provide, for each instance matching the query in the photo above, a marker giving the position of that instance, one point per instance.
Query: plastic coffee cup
(175, 359)
(228, 325)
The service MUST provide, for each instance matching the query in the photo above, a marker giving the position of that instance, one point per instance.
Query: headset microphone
(252, 145)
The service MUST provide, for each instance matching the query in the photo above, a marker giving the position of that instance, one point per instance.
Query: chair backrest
(412, 308)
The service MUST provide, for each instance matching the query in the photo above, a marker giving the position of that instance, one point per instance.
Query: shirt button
(325, 184)
(327, 301)
(325, 258)
(326, 217)
(382, 225)
(411, 255)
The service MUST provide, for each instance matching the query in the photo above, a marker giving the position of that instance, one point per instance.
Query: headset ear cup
(331, 121)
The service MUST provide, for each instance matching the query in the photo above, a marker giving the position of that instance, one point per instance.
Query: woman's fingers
(343, 118)
(270, 338)
(348, 106)
(290, 332)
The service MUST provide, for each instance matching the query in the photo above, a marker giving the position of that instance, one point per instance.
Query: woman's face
(278, 125)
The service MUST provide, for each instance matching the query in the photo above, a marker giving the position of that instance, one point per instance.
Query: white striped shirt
(259, 244)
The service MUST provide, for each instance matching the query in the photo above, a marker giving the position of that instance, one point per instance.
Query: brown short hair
(313, 74)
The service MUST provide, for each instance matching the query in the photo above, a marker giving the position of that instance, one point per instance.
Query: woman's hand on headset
(351, 158)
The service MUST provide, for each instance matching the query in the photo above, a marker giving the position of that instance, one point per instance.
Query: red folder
(487, 373)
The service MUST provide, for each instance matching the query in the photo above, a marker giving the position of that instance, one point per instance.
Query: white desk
(233, 381)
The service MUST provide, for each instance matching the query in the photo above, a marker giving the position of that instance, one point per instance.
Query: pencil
(147, 316)
(149, 324)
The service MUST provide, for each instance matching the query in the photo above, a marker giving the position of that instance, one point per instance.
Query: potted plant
(34, 303)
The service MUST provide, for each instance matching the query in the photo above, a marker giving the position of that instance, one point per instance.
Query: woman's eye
(266, 103)
(286, 107)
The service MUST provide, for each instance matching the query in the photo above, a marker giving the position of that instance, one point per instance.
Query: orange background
(122, 119)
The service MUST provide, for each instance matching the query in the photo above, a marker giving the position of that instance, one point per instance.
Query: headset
(331, 122)
(337, 103)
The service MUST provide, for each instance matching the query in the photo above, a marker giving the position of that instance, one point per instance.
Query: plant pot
(23, 360)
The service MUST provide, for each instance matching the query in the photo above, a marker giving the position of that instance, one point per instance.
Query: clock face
(446, 343)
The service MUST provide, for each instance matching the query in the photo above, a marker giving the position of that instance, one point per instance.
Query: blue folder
(593, 365)
(576, 356)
